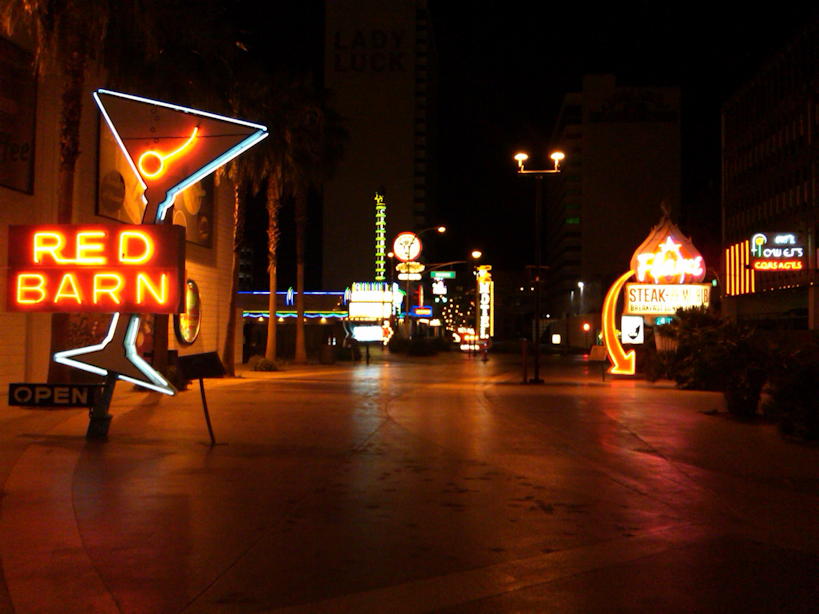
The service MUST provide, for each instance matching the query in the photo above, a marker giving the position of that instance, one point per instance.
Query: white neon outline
(159, 384)
(206, 170)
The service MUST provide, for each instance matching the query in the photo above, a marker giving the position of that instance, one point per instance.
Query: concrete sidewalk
(409, 485)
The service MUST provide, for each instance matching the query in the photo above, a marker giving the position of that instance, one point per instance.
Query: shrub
(716, 354)
(263, 364)
(794, 391)
(744, 362)
(398, 345)
(696, 363)
(658, 366)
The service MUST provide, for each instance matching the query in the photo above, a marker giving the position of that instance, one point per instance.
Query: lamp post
(521, 158)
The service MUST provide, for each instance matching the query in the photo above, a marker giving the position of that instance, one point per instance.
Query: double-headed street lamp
(521, 158)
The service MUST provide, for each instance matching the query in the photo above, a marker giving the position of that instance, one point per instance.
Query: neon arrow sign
(169, 148)
(622, 362)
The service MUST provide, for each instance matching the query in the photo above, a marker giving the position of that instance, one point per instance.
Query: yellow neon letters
(49, 243)
(125, 256)
(160, 294)
(86, 247)
(102, 286)
(63, 292)
(28, 283)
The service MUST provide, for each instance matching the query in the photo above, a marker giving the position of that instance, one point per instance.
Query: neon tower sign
(380, 237)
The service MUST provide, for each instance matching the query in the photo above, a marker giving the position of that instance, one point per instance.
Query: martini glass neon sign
(169, 148)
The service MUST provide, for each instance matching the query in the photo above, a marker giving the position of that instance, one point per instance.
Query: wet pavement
(409, 485)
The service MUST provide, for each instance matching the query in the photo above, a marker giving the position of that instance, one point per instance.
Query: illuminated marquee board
(486, 302)
(373, 301)
(664, 299)
(96, 268)
(777, 251)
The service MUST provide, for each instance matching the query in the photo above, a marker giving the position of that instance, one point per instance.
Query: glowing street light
(521, 158)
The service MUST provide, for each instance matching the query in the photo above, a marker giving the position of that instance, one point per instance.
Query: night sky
(503, 68)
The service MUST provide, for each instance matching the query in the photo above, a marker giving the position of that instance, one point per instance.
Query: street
(409, 485)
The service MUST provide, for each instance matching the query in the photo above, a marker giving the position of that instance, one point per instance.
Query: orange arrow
(623, 363)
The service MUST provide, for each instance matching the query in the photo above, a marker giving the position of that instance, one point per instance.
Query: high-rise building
(378, 68)
(769, 180)
(622, 146)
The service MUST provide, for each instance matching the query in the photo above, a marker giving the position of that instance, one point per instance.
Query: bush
(658, 366)
(263, 364)
(398, 345)
(744, 364)
(716, 354)
(696, 363)
(794, 391)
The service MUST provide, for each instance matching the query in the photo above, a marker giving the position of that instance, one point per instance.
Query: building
(378, 67)
(770, 129)
(103, 194)
(622, 146)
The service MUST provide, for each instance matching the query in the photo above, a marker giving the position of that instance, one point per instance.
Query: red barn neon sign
(96, 268)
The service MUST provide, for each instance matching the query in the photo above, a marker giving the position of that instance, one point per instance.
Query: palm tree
(315, 137)
(261, 169)
(301, 149)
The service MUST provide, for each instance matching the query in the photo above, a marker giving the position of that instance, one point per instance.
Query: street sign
(54, 395)
(442, 274)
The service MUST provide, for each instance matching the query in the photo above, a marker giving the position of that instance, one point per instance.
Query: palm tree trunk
(71, 112)
(228, 353)
(301, 223)
(273, 203)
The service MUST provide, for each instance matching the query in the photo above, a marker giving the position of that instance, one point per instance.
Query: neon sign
(670, 268)
(169, 148)
(407, 246)
(152, 158)
(81, 268)
(669, 264)
(380, 237)
(781, 251)
(486, 302)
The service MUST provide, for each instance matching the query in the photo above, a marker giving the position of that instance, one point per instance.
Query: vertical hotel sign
(127, 270)
(486, 303)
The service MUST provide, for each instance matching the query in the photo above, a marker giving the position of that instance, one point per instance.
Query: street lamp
(521, 158)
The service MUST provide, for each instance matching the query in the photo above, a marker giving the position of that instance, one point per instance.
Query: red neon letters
(99, 268)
